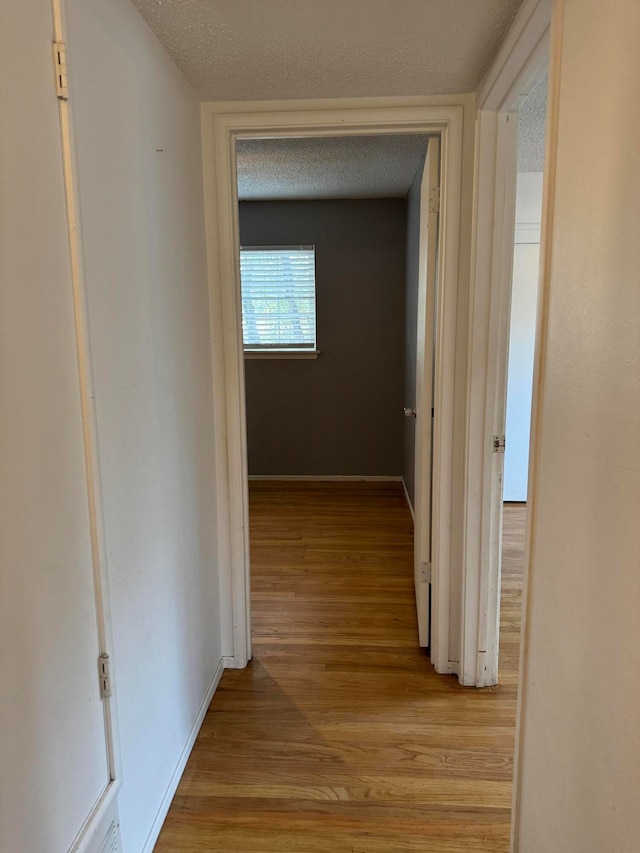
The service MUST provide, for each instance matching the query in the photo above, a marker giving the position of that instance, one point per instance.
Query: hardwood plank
(339, 737)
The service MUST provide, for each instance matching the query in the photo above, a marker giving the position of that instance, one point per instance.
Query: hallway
(339, 737)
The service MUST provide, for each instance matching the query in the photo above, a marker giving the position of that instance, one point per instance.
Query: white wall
(141, 220)
(578, 773)
(144, 254)
(53, 761)
(524, 295)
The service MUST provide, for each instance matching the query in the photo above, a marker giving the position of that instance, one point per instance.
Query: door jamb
(522, 59)
(221, 126)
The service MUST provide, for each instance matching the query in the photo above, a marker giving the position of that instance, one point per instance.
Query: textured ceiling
(328, 167)
(279, 49)
(531, 129)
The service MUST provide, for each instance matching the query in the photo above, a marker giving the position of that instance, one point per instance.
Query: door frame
(520, 62)
(222, 124)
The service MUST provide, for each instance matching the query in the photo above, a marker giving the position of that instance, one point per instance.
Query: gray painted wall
(340, 414)
(411, 313)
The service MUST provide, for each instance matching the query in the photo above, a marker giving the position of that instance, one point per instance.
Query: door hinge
(104, 673)
(434, 200)
(425, 572)
(60, 70)
(499, 443)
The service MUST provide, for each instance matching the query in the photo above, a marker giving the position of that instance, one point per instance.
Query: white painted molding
(154, 832)
(341, 105)
(429, 286)
(223, 123)
(281, 355)
(489, 306)
(521, 59)
(224, 520)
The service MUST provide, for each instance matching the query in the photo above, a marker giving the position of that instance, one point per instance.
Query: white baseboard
(409, 504)
(329, 478)
(154, 832)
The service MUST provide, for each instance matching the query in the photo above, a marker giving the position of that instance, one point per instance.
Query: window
(278, 299)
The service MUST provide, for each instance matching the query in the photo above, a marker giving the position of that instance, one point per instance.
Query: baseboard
(409, 504)
(154, 832)
(514, 503)
(329, 478)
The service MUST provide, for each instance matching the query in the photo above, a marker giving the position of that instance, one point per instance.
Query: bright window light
(278, 297)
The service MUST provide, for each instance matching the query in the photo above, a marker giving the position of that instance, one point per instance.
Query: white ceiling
(531, 129)
(328, 167)
(279, 49)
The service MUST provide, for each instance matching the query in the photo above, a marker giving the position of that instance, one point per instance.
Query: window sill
(281, 353)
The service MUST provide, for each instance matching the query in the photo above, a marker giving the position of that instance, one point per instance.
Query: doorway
(524, 290)
(220, 136)
(521, 347)
(338, 268)
(500, 100)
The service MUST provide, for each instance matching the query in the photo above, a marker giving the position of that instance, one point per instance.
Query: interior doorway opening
(338, 259)
(221, 130)
(531, 117)
(520, 66)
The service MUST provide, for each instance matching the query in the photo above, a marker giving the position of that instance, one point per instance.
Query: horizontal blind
(278, 297)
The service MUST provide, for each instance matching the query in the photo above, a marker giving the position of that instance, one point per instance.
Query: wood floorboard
(339, 737)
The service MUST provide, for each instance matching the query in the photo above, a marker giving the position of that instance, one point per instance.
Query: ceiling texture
(531, 129)
(328, 167)
(281, 49)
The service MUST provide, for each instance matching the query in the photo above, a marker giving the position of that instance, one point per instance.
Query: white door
(425, 346)
(54, 762)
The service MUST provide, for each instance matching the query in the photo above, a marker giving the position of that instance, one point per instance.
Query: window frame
(278, 351)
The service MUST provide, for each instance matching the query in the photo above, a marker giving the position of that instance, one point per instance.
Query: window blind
(278, 297)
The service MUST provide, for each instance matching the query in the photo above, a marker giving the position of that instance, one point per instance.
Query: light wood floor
(339, 737)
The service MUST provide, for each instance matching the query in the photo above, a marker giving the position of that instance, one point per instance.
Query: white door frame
(222, 125)
(521, 61)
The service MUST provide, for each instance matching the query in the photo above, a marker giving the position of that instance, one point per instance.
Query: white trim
(429, 285)
(408, 499)
(161, 814)
(223, 123)
(489, 307)
(328, 478)
(521, 59)
(277, 354)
